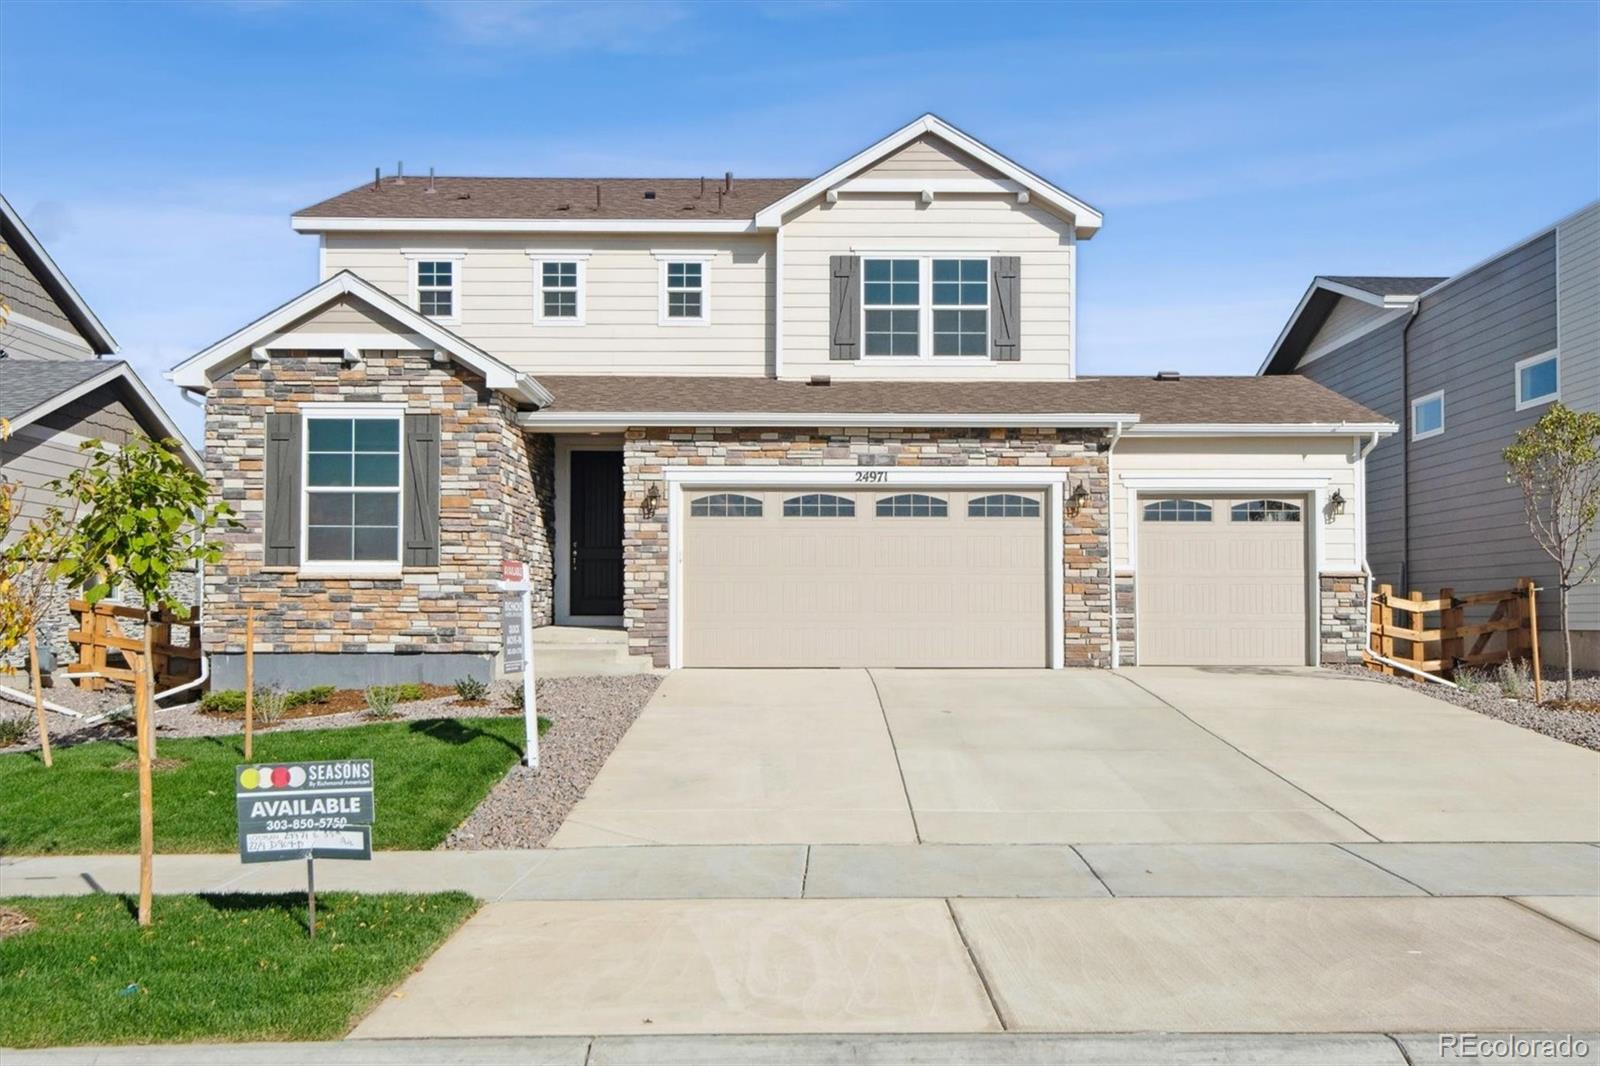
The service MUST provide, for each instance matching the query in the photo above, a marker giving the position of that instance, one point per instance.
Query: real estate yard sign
(303, 810)
(516, 626)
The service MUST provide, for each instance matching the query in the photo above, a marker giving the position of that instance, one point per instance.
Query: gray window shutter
(282, 525)
(422, 491)
(1005, 307)
(844, 306)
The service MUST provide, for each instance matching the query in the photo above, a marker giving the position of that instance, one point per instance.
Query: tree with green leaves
(144, 516)
(1556, 463)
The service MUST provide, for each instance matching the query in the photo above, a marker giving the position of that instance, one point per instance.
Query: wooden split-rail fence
(106, 653)
(1482, 629)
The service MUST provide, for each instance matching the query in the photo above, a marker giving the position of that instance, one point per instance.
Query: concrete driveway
(1151, 755)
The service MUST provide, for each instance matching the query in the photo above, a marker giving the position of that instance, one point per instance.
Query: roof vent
(400, 173)
(430, 180)
(820, 380)
(1168, 375)
(649, 194)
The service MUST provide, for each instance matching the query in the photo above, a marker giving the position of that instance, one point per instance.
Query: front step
(585, 651)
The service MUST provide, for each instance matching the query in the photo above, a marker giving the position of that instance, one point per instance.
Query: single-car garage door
(813, 577)
(1222, 581)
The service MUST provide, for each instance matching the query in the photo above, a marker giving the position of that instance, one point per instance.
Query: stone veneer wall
(1127, 627)
(1086, 627)
(1344, 618)
(495, 487)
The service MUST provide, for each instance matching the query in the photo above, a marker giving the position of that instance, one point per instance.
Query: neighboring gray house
(1463, 363)
(57, 389)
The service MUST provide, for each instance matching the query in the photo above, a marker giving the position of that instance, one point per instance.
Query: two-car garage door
(831, 577)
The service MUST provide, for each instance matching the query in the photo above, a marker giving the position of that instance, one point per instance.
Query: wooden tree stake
(249, 679)
(38, 697)
(1533, 639)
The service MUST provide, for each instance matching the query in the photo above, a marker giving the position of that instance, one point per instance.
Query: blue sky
(1236, 150)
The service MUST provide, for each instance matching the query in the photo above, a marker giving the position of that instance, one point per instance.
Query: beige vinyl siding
(929, 157)
(1251, 459)
(48, 449)
(346, 316)
(622, 333)
(877, 222)
(1347, 317)
(23, 342)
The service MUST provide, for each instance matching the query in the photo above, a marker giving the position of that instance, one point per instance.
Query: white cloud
(556, 26)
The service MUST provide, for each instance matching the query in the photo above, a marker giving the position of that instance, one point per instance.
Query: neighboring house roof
(556, 198)
(1323, 294)
(20, 239)
(1384, 286)
(32, 388)
(679, 204)
(1234, 403)
(194, 373)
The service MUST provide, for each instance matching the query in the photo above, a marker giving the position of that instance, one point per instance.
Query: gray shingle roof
(559, 198)
(27, 383)
(1385, 286)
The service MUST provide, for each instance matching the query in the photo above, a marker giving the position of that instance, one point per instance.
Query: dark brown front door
(595, 584)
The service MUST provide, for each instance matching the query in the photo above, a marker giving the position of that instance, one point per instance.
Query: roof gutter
(604, 420)
(1262, 429)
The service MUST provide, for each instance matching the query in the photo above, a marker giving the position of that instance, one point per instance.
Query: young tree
(146, 516)
(1556, 463)
(28, 558)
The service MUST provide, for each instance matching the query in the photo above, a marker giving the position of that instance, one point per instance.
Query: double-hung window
(558, 279)
(685, 288)
(1538, 380)
(927, 306)
(436, 284)
(352, 488)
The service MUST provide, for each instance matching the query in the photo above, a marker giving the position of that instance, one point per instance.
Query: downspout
(1111, 540)
(1405, 444)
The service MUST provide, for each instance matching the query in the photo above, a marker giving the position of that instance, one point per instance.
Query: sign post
(516, 629)
(306, 810)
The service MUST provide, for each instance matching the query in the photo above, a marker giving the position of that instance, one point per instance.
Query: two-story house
(1464, 362)
(827, 421)
(58, 390)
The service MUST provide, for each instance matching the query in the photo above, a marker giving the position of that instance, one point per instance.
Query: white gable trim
(1086, 220)
(146, 405)
(194, 373)
(1320, 284)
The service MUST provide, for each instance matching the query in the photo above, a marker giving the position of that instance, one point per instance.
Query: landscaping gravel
(1574, 726)
(588, 716)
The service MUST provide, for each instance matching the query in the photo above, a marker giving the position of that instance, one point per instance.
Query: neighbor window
(1427, 416)
(1265, 511)
(819, 505)
(925, 306)
(1538, 380)
(683, 292)
(436, 287)
(352, 493)
(1003, 505)
(725, 505)
(1177, 511)
(912, 505)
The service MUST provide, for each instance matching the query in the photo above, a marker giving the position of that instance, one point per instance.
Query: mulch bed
(14, 923)
(342, 701)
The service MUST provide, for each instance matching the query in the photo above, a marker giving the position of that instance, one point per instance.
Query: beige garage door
(1222, 581)
(814, 577)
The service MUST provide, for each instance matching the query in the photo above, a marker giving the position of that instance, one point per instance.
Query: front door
(595, 583)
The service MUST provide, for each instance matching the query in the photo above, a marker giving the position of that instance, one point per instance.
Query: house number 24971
(872, 476)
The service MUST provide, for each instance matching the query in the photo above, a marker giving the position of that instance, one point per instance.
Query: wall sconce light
(1079, 497)
(1336, 504)
(652, 498)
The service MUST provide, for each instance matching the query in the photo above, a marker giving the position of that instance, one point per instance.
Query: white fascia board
(1261, 429)
(147, 403)
(102, 340)
(1086, 220)
(193, 373)
(304, 224)
(596, 420)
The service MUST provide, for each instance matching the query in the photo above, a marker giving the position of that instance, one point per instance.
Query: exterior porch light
(652, 497)
(1080, 496)
(1336, 503)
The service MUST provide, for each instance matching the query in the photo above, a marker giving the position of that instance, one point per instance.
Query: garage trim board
(1312, 490)
(681, 480)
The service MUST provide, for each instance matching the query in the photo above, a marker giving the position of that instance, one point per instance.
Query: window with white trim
(1538, 380)
(1427, 416)
(560, 298)
(436, 288)
(925, 306)
(352, 490)
(685, 296)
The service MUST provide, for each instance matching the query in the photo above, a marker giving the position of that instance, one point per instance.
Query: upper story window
(352, 491)
(1538, 380)
(685, 288)
(925, 306)
(558, 280)
(1427, 416)
(436, 284)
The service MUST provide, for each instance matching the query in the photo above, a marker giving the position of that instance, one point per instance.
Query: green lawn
(226, 967)
(430, 775)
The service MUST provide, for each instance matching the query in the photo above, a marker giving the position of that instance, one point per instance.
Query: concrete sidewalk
(999, 1049)
(868, 871)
